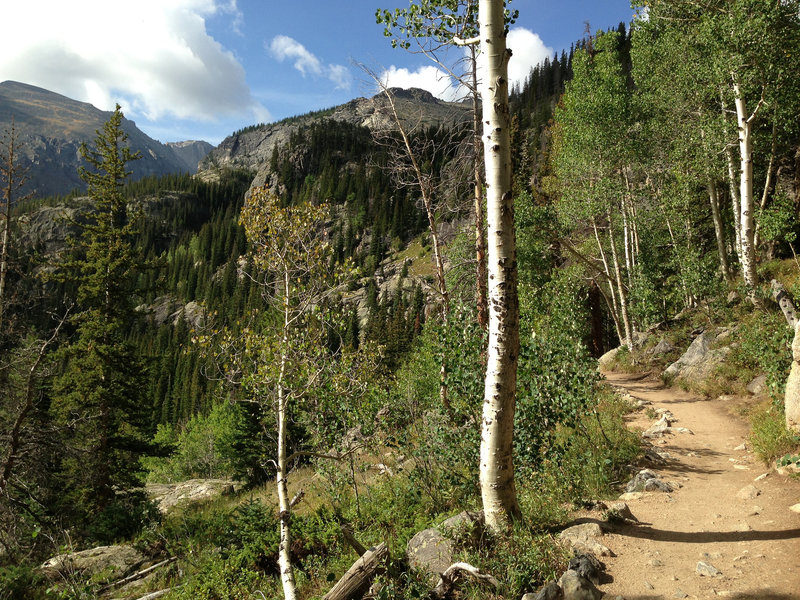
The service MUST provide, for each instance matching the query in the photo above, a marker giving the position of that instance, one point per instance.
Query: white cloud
(527, 51)
(284, 48)
(429, 78)
(154, 57)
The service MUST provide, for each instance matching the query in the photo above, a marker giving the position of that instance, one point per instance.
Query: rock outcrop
(704, 354)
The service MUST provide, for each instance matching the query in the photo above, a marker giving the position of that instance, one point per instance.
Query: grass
(769, 436)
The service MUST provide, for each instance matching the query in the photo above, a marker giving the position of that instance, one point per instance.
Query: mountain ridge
(51, 127)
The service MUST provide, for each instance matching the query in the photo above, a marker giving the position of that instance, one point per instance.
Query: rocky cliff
(51, 128)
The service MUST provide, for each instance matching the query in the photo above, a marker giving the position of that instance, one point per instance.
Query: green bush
(769, 436)
(764, 343)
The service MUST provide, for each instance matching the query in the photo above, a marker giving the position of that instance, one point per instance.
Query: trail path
(714, 517)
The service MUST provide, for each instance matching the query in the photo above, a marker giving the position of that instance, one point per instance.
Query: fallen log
(139, 574)
(355, 583)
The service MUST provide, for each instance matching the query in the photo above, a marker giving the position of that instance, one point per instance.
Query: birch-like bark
(284, 505)
(498, 491)
(719, 230)
(736, 205)
(623, 294)
(614, 306)
(747, 258)
(480, 246)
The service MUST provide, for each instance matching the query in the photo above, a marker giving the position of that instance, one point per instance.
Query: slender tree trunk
(480, 245)
(736, 205)
(747, 258)
(613, 306)
(498, 491)
(623, 295)
(719, 230)
(284, 506)
(768, 181)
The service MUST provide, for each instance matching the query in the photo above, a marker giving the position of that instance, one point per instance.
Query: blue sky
(201, 69)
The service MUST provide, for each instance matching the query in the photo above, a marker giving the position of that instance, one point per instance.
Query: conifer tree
(97, 396)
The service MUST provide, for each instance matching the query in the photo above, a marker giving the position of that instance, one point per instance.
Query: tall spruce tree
(97, 398)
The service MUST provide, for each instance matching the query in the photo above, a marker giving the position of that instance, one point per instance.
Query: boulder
(582, 539)
(758, 385)
(576, 587)
(168, 495)
(588, 567)
(431, 550)
(647, 481)
(551, 591)
(700, 360)
(111, 561)
(662, 347)
(606, 362)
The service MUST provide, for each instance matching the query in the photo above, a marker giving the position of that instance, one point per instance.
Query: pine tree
(97, 398)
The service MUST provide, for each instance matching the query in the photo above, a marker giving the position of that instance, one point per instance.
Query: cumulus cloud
(283, 47)
(154, 57)
(527, 51)
(429, 78)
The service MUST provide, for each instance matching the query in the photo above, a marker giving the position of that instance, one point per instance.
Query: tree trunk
(284, 505)
(614, 307)
(623, 294)
(734, 190)
(719, 230)
(747, 258)
(355, 583)
(498, 491)
(480, 246)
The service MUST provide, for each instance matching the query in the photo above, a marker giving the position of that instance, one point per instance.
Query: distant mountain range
(50, 129)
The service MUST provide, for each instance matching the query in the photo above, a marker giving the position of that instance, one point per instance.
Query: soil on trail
(726, 512)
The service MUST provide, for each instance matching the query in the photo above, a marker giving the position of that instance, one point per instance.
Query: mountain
(190, 152)
(251, 148)
(51, 128)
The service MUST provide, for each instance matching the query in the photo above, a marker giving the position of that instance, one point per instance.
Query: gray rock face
(576, 587)
(551, 591)
(758, 385)
(662, 347)
(605, 362)
(51, 128)
(583, 539)
(700, 360)
(705, 569)
(431, 550)
(252, 149)
(169, 495)
(648, 481)
(112, 561)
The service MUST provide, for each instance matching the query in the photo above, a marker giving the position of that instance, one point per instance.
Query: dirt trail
(753, 540)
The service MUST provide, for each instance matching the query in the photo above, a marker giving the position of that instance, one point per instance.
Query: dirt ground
(748, 534)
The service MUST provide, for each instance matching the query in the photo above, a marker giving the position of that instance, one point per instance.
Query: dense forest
(188, 327)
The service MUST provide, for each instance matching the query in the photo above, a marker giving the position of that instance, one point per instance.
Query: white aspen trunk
(747, 258)
(623, 296)
(613, 306)
(719, 230)
(480, 246)
(734, 189)
(498, 490)
(626, 241)
(284, 506)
